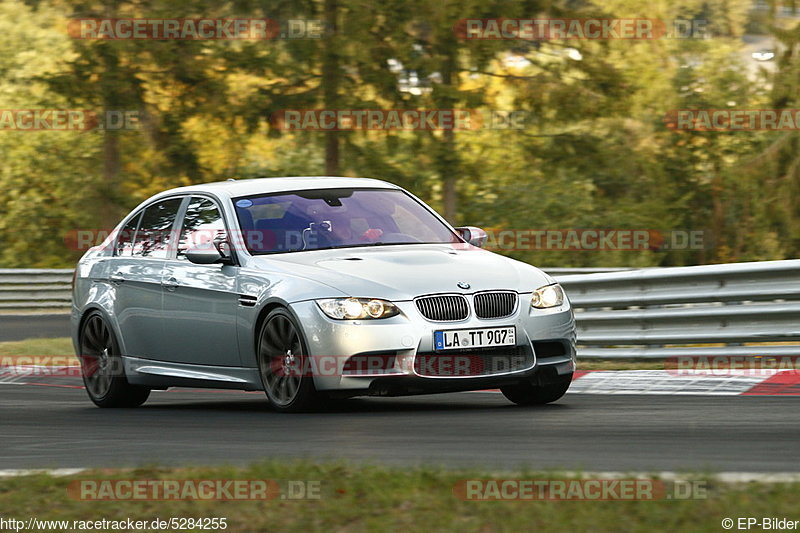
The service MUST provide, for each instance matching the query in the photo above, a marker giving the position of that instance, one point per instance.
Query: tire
(282, 362)
(102, 369)
(532, 394)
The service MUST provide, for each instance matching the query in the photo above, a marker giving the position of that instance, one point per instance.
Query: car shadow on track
(431, 403)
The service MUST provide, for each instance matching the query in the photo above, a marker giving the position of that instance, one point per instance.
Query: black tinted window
(126, 235)
(153, 237)
(202, 223)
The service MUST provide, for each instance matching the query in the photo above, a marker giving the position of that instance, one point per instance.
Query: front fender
(261, 291)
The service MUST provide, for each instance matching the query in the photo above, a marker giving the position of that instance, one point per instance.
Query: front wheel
(529, 393)
(102, 369)
(283, 364)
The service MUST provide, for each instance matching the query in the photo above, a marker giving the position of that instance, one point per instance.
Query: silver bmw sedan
(312, 288)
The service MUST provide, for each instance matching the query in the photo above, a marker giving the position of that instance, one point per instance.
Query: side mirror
(209, 253)
(203, 254)
(474, 236)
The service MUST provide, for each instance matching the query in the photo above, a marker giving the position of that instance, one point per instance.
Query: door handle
(171, 284)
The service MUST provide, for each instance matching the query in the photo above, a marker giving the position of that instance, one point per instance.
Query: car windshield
(336, 218)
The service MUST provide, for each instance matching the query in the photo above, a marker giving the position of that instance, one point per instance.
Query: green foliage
(595, 151)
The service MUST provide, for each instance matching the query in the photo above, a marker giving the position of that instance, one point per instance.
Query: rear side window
(202, 223)
(126, 235)
(155, 229)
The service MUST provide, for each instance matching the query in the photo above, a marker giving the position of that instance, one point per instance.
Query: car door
(200, 301)
(136, 272)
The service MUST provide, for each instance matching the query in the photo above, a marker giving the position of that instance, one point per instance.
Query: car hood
(402, 272)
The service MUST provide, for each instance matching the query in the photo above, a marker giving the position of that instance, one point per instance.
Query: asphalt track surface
(21, 327)
(45, 426)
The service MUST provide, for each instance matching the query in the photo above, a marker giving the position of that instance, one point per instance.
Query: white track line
(724, 477)
(55, 472)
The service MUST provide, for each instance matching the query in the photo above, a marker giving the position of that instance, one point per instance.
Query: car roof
(247, 187)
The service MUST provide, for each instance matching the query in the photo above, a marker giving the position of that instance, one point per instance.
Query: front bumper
(546, 336)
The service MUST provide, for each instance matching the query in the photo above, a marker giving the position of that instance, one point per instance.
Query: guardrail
(731, 309)
(32, 289)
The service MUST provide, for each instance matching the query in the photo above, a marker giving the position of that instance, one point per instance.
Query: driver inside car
(334, 227)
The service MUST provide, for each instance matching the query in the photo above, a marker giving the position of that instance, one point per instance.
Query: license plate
(459, 339)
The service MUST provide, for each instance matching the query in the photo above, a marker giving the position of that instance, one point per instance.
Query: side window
(202, 223)
(124, 246)
(153, 237)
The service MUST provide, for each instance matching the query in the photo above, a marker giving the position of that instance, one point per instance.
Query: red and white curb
(20, 375)
(753, 383)
(652, 382)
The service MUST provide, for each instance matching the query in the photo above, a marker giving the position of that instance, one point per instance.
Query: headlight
(549, 296)
(357, 308)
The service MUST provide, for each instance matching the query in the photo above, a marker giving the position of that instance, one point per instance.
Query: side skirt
(162, 374)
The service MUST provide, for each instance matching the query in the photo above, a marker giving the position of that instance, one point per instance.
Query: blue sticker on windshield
(244, 203)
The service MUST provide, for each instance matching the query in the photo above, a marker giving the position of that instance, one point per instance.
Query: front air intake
(495, 304)
(445, 308)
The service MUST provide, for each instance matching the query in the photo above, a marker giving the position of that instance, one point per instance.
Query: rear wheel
(530, 393)
(283, 364)
(102, 369)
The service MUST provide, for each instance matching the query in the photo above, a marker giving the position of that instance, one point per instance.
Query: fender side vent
(245, 300)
